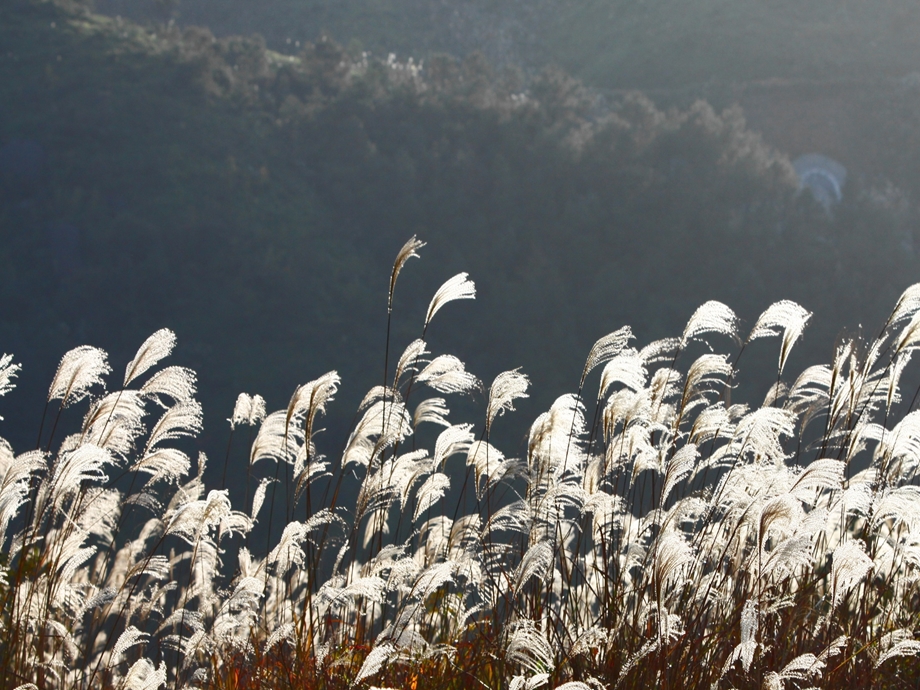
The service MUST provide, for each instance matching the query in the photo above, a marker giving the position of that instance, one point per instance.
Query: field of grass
(652, 534)
(682, 511)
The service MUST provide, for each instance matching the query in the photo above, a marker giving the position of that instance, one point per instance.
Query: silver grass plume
(711, 317)
(79, 370)
(247, 410)
(409, 250)
(378, 393)
(507, 387)
(824, 474)
(750, 623)
(288, 551)
(672, 556)
(900, 506)
(447, 374)
(529, 648)
(408, 361)
(275, 440)
(259, 497)
(181, 420)
(458, 287)
(432, 411)
(678, 467)
(453, 440)
(850, 564)
(143, 675)
(758, 433)
(799, 669)
(810, 394)
(382, 425)
(536, 562)
(177, 383)
(712, 423)
(375, 660)
(903, 647)
(84, 464)
(907, 306)
(196, 518)
(431, 492)
(705, 376)
(784, 317)
(130, 637)
(532, 683)
(169, 464)
(15, 476)
(605, 349)
(434, 577)
(8, 371)
(115, 422)
(553, 441)
(909, 336)
(902, 444)
(898, 364)
(487, 461)
(626, 367)
(660, 351)
(155, 348)
(311, 399)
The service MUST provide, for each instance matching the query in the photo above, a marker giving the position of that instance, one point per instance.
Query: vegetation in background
(652, 533)
(607, 43)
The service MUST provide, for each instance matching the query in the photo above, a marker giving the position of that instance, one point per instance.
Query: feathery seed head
(507, 387)
(784, 317)
(458, 287)
(8, 371)
(447, 374)
(409, 249)
(711, 317)
(409, 360)
(79, 370)
(155, 348)
(605, 349)
(247, 410)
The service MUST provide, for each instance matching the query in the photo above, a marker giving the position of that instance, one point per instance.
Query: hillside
(250, 200)
(608, 43)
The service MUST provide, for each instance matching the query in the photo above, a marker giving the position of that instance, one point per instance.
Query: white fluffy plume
(155, 348)
(784, 317)
(458, 287)
(79, 370)
(409, 249)
(711, 317)
(507, 387)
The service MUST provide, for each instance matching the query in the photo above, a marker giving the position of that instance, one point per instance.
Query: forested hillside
(609, 43)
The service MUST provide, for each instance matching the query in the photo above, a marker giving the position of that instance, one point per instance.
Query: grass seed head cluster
(651, 533)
